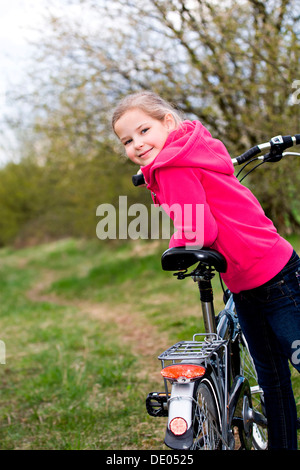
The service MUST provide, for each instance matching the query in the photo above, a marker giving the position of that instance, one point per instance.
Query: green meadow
(83, 323)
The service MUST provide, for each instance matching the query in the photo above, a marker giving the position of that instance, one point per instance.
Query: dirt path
(142, 338)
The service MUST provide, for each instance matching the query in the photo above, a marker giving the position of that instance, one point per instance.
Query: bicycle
(212, 398)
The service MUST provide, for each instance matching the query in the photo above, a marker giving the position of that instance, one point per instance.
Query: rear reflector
(183, 371)
(178, 426)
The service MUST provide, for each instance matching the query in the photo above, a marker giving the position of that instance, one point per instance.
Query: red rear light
(183, 371)
(178, 426)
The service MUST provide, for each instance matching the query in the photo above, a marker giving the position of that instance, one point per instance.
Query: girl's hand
(142, 185)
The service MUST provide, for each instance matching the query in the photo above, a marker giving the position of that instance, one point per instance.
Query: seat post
(207, 304)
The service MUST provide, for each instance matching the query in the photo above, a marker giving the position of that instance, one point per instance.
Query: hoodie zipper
(154, 198)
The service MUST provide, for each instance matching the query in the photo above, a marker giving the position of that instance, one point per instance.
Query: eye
(144, 130)
(127, 141)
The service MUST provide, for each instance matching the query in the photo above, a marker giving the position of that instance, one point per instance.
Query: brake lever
(273, 156)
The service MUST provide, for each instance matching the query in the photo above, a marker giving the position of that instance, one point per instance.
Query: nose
(138, 143)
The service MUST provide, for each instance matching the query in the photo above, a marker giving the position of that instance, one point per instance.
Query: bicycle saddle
(178, 258)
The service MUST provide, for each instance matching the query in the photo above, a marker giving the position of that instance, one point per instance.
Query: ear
(169, 122)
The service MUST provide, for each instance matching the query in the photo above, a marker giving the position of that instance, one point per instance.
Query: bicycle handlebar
(138, 180)
(277, 145)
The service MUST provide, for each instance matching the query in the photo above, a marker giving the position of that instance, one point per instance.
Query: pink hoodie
(193, 168)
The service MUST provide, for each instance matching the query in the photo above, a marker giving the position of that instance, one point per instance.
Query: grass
(83, 323)
(68, 381)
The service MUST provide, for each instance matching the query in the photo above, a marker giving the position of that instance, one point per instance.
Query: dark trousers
(270, 319)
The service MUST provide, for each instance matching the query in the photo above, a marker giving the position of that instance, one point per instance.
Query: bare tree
(231, 65)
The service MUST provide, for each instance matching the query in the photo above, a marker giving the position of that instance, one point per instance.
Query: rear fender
(180, 405)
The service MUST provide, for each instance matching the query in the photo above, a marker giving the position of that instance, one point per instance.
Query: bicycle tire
(260, 435)
(206, 419)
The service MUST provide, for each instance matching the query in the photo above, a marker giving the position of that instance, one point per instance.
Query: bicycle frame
(211, 350)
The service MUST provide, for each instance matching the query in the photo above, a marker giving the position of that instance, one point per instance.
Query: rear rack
(195, 351)
(204, 349)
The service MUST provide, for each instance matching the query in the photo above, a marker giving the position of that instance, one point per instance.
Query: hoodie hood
(191, 145)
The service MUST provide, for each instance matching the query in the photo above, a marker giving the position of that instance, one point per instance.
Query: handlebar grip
(277, 145)
(138, 180)
(247, 155)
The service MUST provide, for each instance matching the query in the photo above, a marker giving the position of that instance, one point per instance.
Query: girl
(182, 164)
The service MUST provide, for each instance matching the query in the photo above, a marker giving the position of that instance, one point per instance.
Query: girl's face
(143, 136)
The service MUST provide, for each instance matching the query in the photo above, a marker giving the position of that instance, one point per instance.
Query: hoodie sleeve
(183, 198)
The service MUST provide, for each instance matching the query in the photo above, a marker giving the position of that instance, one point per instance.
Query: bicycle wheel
(260, 435)
(206, 417)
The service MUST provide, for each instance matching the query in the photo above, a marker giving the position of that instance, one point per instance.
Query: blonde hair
(149, 102)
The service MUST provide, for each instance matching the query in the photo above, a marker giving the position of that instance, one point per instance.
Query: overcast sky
(18, 20)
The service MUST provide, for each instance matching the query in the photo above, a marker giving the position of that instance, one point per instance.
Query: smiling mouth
(142, 155)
